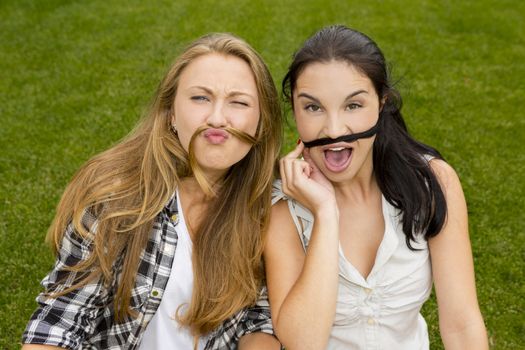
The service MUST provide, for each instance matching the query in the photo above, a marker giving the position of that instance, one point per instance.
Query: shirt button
(154, 292)
(174, 217)
(368, 290)
(371, 321)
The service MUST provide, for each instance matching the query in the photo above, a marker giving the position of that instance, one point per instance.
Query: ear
(172, 125)
(382, 103)
(172, 118)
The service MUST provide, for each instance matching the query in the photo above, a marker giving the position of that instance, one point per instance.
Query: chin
(343, 176)
(221, 158)
(217, 167)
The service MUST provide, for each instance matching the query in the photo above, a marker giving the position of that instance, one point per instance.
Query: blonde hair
(128, 185)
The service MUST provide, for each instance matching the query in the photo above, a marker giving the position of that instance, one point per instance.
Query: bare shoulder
(284, 256)
(282, 233)
(281, 212)
(456, 223)
(281, 223)
(447, 176)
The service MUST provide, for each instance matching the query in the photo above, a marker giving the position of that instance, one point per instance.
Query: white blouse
(381, 311)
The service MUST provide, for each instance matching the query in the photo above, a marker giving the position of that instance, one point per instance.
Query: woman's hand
(303, 181)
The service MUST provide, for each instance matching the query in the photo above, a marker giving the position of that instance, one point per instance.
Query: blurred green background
(75, 76)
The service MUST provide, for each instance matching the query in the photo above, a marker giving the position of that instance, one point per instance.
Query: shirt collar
(171, 207)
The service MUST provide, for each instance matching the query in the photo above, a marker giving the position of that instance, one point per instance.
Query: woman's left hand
(304, 182)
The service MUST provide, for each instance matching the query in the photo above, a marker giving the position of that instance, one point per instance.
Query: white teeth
(337, 149)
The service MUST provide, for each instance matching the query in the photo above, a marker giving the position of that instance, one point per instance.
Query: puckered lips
(216, 136)
(337, 156)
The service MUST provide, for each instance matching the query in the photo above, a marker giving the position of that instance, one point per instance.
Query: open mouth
(337, 159)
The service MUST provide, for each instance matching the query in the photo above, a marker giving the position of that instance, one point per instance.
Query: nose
(217, 117)
(335, 125)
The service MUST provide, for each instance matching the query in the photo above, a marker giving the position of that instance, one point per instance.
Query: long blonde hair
(128, 185)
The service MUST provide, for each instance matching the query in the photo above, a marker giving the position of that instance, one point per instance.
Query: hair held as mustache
(345, 138)
(198, 173)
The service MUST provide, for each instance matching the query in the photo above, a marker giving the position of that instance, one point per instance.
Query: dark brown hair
(402, 172)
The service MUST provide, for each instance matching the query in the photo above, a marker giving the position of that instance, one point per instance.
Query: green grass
(76, 76)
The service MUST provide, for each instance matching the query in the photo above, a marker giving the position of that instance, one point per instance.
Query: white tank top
(382, 310)
(163, 331)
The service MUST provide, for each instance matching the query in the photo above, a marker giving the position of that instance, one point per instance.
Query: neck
(214, 176)
(362, 187)
(357, 189)
(190, 189)
(194, 203)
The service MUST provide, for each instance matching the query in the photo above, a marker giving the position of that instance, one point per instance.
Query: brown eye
(353, 105)
(312, 108)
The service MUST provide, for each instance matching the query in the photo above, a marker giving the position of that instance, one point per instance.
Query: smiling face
(333, 99)
(216, 91)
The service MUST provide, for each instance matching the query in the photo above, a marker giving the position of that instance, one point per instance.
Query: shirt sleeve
(256, 318)
(65, 320)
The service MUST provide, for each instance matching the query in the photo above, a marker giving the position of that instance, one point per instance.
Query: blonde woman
(159, 239)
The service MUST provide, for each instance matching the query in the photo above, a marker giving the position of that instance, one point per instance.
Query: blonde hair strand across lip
(198, 173)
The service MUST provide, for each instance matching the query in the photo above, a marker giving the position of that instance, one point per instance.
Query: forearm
(306, 315)
(470, 336)
(259, 341)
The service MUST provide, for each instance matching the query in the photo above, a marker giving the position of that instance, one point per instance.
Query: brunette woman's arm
(460, 321)
(303, 287)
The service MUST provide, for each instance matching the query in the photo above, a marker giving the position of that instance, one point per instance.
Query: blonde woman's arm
(259, 341)
(39, 347)
(460, 321)
(66, 319)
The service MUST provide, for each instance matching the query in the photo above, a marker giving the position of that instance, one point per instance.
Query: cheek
(368, 117)
(308, 131)
(184, 133)
(187, 121)
(317, 157)
(253, 123)
(247, 122)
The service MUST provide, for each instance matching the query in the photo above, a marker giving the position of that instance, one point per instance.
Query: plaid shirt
(84, 318)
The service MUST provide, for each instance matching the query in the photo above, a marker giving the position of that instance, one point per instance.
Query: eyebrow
(304, 94)
(230, 93)
(355, 93)
(237, 93)
(202, 88)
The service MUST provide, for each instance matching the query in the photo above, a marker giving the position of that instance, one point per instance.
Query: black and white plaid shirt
(84, 318)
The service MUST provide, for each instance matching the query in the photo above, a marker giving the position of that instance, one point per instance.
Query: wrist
(327, 211)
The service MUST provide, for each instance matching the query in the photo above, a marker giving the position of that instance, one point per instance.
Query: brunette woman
(368, 218)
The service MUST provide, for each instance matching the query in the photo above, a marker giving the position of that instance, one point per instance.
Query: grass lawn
(76, 76)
